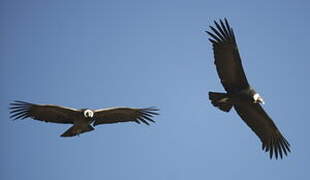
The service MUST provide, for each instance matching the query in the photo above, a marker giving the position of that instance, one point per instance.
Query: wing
(47, 113)
(227, 58)
(115, 115)
(259, 121)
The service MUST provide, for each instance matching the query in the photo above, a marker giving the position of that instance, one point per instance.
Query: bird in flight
(239, 94)
(83, 120)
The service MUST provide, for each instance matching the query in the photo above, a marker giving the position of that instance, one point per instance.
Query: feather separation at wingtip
(223, 32)
(277, 147)
(146, 115)
(19, 110)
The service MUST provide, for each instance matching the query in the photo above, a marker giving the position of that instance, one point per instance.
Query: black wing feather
(116, 115)
(263, 126)
(227, 58)
(47, 113)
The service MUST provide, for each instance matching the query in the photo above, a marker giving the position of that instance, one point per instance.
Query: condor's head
(258, 99)
(255, 97)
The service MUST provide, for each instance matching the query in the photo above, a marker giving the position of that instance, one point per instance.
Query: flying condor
(83, 120)
(239, 94)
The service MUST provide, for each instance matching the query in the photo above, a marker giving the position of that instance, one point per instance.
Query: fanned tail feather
(221, 101)
(74, 130)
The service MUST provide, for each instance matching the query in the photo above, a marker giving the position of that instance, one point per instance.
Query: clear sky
(142, 53)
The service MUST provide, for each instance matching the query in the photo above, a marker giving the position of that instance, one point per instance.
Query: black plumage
(83, 120)
(240, 94)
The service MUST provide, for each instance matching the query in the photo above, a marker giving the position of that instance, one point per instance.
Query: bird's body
(83, 120)
(81, 124)
(239, 94)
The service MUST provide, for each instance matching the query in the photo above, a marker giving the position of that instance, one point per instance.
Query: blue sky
(138, 53)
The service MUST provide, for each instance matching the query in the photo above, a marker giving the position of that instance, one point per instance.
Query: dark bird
(83, 120)
(240, 94)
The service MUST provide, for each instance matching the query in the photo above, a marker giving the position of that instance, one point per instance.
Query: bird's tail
(221, 101)
(75, 130)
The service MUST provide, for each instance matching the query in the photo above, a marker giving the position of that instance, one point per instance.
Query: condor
(240, 94)
(83, 120)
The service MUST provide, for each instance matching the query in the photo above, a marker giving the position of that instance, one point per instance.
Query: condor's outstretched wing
(47, 113)
(259, 121)
(124, 114)
(227, 58)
